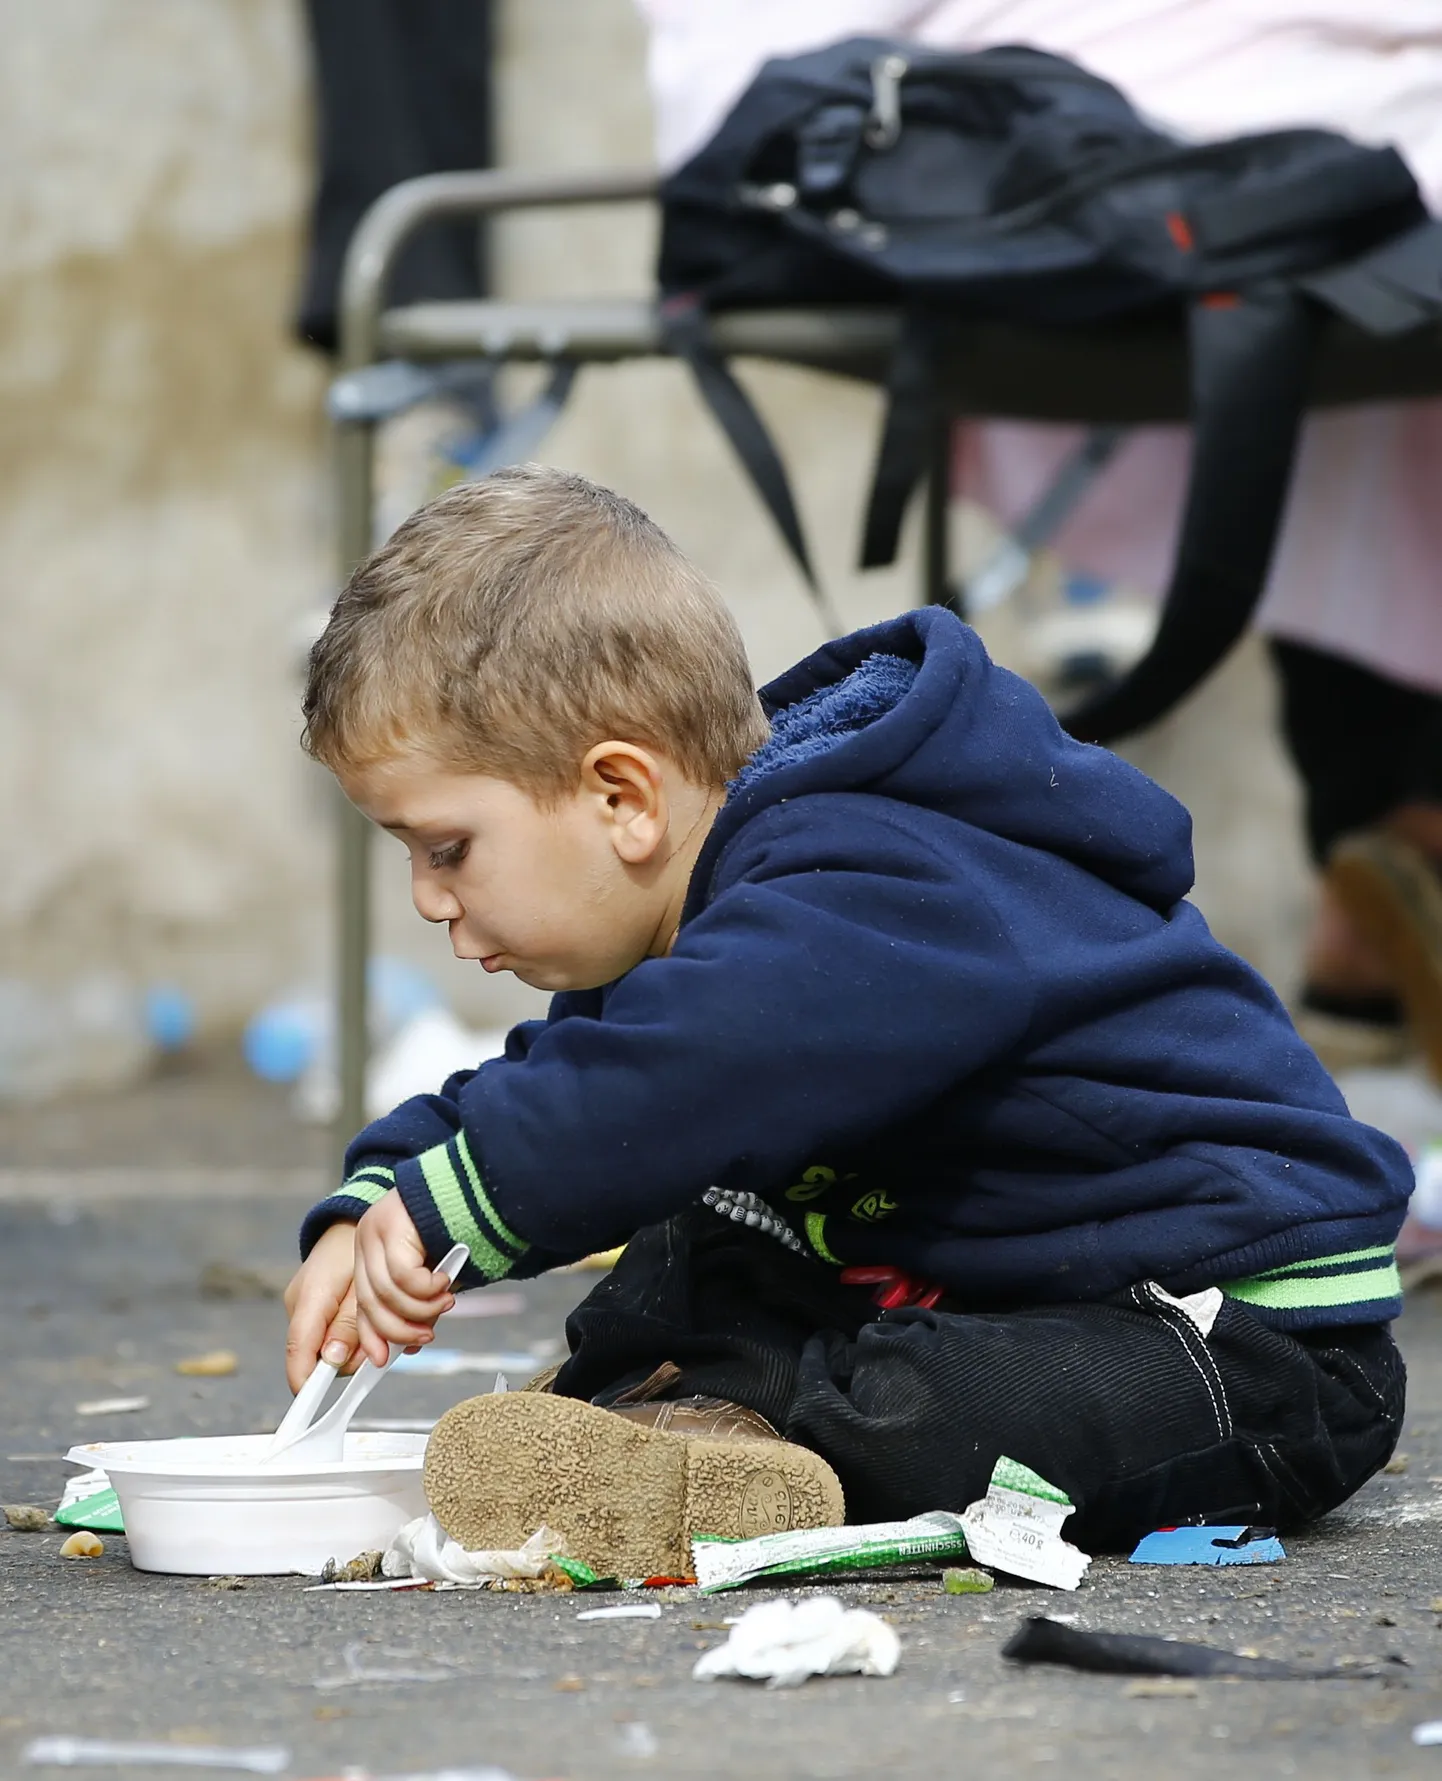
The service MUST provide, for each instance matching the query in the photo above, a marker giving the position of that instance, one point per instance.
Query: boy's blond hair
(512, 624)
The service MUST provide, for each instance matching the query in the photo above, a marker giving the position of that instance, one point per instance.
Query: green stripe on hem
(1329, 1264)
(499, 1228)
(1319, 1292)
(816, 1235)
(364, 1187)
(450, 1202)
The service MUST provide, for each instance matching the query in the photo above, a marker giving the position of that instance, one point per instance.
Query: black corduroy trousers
(1123, 1404)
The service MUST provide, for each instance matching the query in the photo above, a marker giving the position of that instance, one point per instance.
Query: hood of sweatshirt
(915, 709)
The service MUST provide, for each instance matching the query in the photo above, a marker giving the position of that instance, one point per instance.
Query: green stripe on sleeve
(499, 1228)
(365, 1187)
(816, 1235)
(1327, 1264)
(449, 1199)
(1302, 1293)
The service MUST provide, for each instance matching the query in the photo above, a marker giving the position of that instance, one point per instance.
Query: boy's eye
(441, 857)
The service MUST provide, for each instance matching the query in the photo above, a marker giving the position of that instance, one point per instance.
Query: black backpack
(1013, 184)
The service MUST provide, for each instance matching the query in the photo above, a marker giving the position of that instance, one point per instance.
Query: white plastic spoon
(303, 1407)
(301, 1438)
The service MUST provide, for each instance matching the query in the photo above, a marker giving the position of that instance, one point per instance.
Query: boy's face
(565, 897)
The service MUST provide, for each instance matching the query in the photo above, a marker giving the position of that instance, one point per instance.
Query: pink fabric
(1357, 567)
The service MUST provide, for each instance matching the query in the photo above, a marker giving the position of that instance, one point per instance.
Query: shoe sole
(627, 1498)
(1393, 895)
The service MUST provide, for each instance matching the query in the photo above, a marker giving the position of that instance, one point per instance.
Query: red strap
(893, 1287)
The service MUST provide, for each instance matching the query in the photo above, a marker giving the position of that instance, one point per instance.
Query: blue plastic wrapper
(1209, 1546)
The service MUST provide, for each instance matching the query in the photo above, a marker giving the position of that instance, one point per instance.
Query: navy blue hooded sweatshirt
(939, 1002)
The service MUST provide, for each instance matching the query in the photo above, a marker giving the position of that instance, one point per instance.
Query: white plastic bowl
(207, 1506)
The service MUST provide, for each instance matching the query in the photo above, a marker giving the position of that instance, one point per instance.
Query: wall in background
(161, 515)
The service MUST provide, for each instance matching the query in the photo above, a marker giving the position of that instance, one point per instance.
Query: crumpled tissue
(424, 1550)
(783, 1643)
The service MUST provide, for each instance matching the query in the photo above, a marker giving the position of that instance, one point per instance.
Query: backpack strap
(1393, 288)
(687, 333)
(901, 455)
(1250, 357)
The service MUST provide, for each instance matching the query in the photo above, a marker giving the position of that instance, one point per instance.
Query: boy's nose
(432, 903)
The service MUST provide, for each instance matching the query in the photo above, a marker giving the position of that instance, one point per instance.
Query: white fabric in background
(1357, 566)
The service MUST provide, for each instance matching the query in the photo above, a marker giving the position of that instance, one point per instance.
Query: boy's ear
(630, 785)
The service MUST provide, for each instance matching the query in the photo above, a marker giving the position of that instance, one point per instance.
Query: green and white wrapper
(89, 1501)
(1015, 1527)
(935, 1538)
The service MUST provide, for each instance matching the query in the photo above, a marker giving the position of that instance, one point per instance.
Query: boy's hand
(322, 1306)
(398, 1298)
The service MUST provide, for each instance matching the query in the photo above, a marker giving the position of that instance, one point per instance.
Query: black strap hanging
(1250, 359)
(688, 335)
(905, 434)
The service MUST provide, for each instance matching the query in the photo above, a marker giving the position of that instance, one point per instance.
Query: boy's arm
(415, 1126)
(809, 1006)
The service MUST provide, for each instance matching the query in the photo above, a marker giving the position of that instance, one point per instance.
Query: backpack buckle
(883, 124)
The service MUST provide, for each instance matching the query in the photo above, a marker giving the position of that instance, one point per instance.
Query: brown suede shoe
(628, 1488)
(1393, 893)
(713, 1417)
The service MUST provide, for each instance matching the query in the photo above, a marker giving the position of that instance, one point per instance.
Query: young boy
(937, 1125)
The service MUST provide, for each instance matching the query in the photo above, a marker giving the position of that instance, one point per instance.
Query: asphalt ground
(102, 1293)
